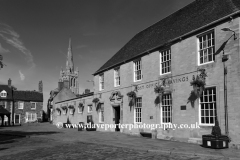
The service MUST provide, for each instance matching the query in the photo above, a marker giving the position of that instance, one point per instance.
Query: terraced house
(28, 106)
(203, 36)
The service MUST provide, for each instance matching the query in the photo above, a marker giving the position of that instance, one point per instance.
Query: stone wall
(184, 64)
(27, 108)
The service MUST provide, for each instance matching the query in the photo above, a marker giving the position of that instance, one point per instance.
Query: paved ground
(45, 141)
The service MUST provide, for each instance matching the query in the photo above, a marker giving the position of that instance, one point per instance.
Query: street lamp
(228, 29)
(91, 81)
(216, 140)
(224, 59)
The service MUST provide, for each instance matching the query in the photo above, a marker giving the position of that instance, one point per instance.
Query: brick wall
(27, 108)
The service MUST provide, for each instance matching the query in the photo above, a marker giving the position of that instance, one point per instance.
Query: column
(9, 119)
(2, 116)
(121, 114)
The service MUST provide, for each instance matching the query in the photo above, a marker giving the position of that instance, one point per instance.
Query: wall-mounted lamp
(234, 33)
(91, 81)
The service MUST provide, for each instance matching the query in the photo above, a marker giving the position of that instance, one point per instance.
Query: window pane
(207, 120)
(211, 120)
(208, 106)
(165, 61)
(206, 48)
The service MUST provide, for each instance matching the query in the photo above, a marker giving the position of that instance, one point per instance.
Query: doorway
(117, 117)
(17, 118)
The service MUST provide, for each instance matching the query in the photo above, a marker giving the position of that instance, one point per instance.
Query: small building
(23, 106)
(28, 106)
(6, 102)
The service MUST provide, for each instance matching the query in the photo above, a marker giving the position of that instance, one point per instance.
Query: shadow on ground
(8, 141)
(24, 134)
(3, 148)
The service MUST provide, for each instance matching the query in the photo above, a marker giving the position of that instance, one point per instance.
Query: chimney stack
(9, 83)
(87, 91)
(40, 86)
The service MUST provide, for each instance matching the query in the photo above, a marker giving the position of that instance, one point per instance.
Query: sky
(34, 36)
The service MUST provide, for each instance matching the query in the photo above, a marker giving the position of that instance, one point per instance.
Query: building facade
(172, 53)
(75, 110)
(24, 106)
(6, 102)
(28, 106)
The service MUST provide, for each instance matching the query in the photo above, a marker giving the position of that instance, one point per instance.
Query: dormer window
(3, 93)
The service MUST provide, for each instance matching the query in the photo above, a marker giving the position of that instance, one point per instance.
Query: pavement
(45, 135)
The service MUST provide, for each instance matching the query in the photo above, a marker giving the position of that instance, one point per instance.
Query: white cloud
(22, 77)
(3, 50)
(13, 38)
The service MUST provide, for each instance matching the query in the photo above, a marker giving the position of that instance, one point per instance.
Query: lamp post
(92, 83)
(224, 59)
(216, 139)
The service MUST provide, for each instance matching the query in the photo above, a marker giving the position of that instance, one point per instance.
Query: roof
(186, 20)
(64, 94)
(3, 111)
(79, 97)
(28, 96)
(8, 90)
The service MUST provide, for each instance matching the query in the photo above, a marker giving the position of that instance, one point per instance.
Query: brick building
(74, 110)
(6, 102)
(28, 106)
(24, 106)
(174, 50)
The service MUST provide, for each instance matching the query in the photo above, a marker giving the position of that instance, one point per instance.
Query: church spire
(69, 64)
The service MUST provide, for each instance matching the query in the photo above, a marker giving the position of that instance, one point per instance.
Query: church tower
(70, 74)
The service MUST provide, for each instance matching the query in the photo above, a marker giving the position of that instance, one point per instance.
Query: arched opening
(72, 82)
